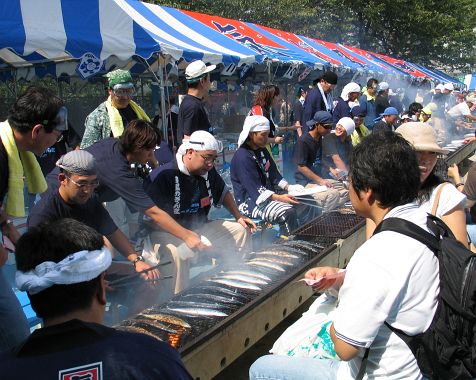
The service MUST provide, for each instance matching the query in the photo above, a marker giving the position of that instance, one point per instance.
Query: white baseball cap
(197, 69)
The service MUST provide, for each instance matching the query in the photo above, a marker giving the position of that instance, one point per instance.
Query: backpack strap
(409, 229)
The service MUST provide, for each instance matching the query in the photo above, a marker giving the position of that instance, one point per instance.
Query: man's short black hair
(37, 105)
(139, 134)
(387, 164)
(414, 107)
(53, 242)
(372, 82)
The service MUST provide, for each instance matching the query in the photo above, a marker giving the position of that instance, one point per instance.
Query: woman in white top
(450, 206)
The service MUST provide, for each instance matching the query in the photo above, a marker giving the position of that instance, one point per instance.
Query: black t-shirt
(114, 175)
(381, 102)
(80, 350)
(308, 153)
(127, 115)
(192, 117)
(52, 207)
(3, 172)
(332, 145)
(186, 198)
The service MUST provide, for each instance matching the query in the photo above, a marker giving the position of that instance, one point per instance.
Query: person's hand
(325, 182)
(469, 140)
(247, 223)
(194, 242)
(286, 198)
(3, 255)
(278, 140)
(320, 272)
(453, 172)
(151, 275)
(295, 188)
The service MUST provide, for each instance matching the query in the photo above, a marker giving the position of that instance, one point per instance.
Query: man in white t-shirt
(391, 277)
(463, 109)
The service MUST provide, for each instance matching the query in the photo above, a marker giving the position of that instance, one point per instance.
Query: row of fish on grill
(221, 294)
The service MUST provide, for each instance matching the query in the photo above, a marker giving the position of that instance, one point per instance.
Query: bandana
(78, 162)
(253, 123)
(75, 268)
(348, 88)
(118, 76)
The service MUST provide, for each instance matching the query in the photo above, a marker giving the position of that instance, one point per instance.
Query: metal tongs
(132, 277)
(304, 200)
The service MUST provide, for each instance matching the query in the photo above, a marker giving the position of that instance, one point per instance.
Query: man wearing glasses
(111, 117)
(319, 98)
(76, 199)
(35, 122)
(192, 114)
(187, 192)
(367, 103)
(308, 158)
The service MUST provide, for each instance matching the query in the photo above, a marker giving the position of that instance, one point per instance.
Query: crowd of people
(125, 182)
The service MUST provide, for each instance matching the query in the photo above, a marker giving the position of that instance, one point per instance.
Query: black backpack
(447, 349)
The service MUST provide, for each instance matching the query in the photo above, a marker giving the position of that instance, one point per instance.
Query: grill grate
(337, 224)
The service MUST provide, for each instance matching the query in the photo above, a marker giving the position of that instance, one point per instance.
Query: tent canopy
(107, 33)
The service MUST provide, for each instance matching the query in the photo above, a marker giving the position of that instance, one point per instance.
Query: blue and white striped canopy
(56, 29)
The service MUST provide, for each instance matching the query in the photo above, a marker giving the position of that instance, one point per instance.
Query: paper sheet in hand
(309, 191)
(316, 281)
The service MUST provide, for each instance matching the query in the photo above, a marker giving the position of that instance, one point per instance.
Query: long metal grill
(199, 312)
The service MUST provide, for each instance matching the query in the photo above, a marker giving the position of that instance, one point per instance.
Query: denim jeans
(13, 323)
(276, 367)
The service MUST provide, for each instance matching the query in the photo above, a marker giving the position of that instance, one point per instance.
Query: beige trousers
(227, 238)
(332, 198)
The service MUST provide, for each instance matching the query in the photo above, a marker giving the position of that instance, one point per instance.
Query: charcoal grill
(213, 343)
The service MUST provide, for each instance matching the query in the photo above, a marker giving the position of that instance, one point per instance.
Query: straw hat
(421, 135)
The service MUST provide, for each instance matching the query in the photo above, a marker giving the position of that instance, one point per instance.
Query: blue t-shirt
(81, 350)
(308, 153)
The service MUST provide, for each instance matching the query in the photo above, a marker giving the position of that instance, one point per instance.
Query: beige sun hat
(421, 135)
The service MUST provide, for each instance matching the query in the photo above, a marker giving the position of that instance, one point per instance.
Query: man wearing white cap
(61, 266)
(192, 114)
(187, 192)
(336, 149)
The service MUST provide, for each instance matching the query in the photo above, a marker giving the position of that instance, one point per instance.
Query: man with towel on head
(61, 266)
(336, 150)
(76, 199)
(35, 122)
(186, 192)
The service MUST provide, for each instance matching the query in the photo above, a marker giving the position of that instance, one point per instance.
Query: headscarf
(348, 88)
(253, 123)
(78, 267)
(78, 162)
(348, 124)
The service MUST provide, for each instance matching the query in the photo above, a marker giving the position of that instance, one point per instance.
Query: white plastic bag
(309, 336)
(150, 252)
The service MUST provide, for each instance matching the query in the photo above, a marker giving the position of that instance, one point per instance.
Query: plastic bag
(309, 336)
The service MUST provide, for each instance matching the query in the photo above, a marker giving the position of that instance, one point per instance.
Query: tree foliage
(437, 33)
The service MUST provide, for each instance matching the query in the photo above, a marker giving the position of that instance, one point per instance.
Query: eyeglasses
(208, 159)
(60, 138)
(124, 92)
(84, 185)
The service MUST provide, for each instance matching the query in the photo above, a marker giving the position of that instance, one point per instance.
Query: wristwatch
(137, 259)
(6, 222)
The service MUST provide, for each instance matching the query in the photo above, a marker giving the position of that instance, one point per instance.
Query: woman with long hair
(267, 97)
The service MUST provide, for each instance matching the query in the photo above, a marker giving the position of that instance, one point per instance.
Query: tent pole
(162, 102)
